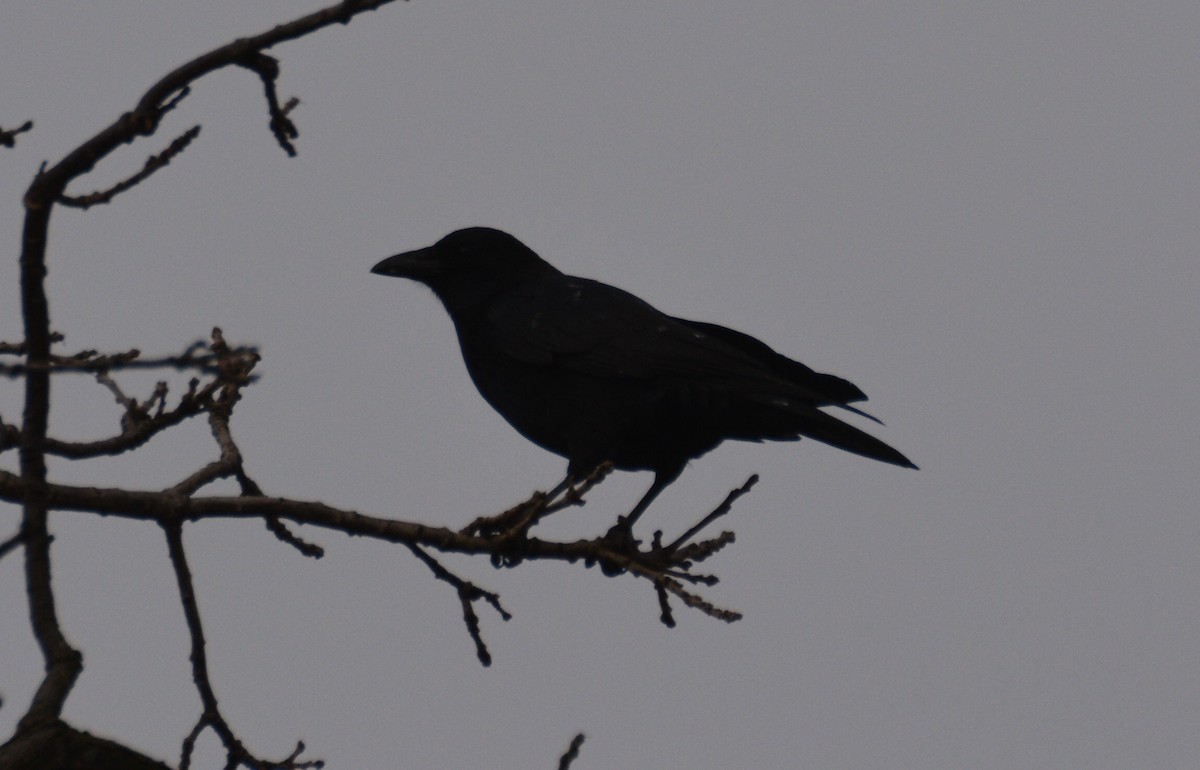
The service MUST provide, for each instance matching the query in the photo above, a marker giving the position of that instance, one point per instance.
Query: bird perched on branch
(594, 374)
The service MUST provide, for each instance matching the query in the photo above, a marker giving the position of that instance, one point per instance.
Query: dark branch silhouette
(224, 373)
(468, 594)
(62, 661)
(10, 544)
(8, 137)
(281, 126)
(153, 163)
(219, 374)
(572, 752)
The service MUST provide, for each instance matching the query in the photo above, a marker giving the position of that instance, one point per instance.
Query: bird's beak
(419, 265)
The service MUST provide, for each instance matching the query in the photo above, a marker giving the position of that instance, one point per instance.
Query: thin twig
(282, 127)
(696, 602)
(720, 511)
(468, 593)
(211, 717)
(20, 348)
(173, 101)
(130, 404)
(572, 752)
(135, 433)
(573, 496)
(189, 744)
(153, 163)
(280, 530)
(10, 436)
(11, 544)
(191, 613)
(515, 522)
(91, 361)
(665, 615)
(8, 137)
(697, 552)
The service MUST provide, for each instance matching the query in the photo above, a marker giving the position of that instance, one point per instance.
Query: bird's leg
(627, 521)
(662, 480)
(620, 535)
(563, 485)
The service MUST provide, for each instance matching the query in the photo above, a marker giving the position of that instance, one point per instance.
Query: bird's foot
(621, 542)
(620, 536)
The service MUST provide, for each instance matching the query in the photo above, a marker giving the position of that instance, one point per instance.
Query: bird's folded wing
(598, 330)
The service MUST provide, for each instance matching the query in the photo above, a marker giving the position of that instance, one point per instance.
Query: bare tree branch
(140, 422)
(8, 137)
(720, 511)
(10, 435)
(92, 361)
(10, 544)
(660, 566)
(282, 533)
(20, 348)
(161, 97)
(522, 517)
(63, 663)
(504, 537)
(572, 752)
(153, 163)
(222, 373)
(236, 752)
(468, 593)
(281, 126)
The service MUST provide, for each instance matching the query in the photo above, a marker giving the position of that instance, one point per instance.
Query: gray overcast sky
(984, 214)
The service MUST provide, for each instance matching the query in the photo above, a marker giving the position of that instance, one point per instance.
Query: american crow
(593, 373)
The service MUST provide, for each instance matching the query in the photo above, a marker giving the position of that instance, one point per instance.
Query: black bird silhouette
(594, 374)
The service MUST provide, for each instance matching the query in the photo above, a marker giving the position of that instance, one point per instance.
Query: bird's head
(468, 267)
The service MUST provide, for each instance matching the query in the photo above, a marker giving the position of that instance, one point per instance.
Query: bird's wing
(591, 328)
(835, 389)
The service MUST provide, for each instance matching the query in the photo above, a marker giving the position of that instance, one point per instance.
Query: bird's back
(593, 373)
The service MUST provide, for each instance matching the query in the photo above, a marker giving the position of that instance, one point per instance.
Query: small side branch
(282, 127)
(277, 528)
(153, 163)
(191, 613)
(10, 435)
(192, 359)
(720, 511)
(211, 717)
(8, 136)
(231, 369)
(10, 544)
(572, 752)
(230, 461)
(468, 594)
(518, 520)
(667, 567)
(20, 348)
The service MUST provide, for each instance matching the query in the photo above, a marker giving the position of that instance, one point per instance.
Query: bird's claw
(620, 536)
(620, 540)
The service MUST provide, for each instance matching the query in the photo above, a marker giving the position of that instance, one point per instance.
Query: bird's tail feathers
(812, 423)
(861, 413)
